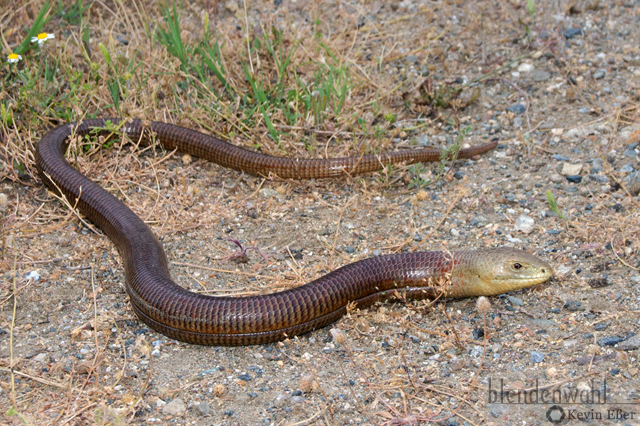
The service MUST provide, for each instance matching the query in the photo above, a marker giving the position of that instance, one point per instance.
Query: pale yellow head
(492, 271)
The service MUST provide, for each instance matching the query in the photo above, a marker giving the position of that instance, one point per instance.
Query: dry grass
(329, 88)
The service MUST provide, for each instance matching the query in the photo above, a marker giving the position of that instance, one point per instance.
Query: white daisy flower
(13, 58)
(42, 37)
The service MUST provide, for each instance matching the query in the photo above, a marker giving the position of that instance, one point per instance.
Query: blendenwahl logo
(594, 393)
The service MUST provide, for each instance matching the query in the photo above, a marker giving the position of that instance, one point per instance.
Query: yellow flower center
(13, 56)
(42, 36)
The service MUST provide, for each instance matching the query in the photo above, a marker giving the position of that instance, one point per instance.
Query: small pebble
(584, 110)
(176, 407)
(525, 67)
(475, 352)
(517, 109)
(573, 32)
(569, 169)
(203, 408)
(610, 340)
(297, 399)
(478, 333)
(573, 305)
(599, 282)
(599, 75)
(539, 76)
(33, 275)
(598, 178)
(524, 224)
(630, 344)
(537, 357)
(601, 326)
(245, 377)
(515, 301)
(632, 182)
(560, 157)
(574, 178)
(268, 193)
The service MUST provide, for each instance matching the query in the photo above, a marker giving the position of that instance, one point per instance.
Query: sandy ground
(572, 133)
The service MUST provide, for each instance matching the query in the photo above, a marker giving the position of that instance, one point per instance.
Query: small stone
(601, 326)
(245, 377)
(540, 75)
(518, 122)
(517, 109)
(560, 157)
(268, 193)
(458, 175)
(573, 305)
(203, 408)
(525, 67)
(547, 125)
(627, 168)
(574, 178)
(537, 357)
(423, 140)
(598, 282)
(635, 279)
(325, 231)
(610, 340)
(569, 169)
(40, 357)
(524, 224)
(228, 413)
(598, 178)
(584, 110)
(630, 344)
(630, 153)
(573, 32)
(599, 75)
(515, 301)
(3, 201)
(231, 6)
(632, 181)
(476, 352)
(297, 399)
(478, 333)
(33, 275)
(175, 408)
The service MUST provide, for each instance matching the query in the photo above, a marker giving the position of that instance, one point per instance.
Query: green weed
(554, 206)
(72, 14)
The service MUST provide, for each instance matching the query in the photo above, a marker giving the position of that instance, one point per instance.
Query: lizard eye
(517, 266)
